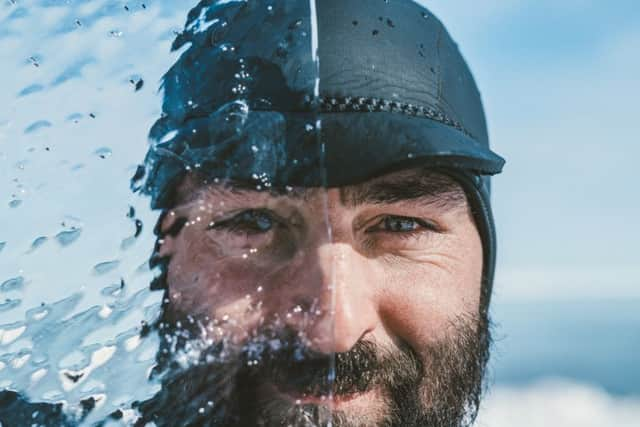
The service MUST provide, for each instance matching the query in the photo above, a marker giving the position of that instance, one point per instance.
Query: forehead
(421, 185)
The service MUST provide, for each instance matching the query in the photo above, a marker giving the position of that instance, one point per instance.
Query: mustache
(283, 357)
(364, 366)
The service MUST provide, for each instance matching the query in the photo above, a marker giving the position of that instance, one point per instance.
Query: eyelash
(240, 223)
(423, 226)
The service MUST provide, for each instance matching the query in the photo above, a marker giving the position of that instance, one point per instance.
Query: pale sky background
(560, 85)
(560, 82)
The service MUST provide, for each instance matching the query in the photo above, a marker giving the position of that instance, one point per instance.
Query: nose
(338, 281)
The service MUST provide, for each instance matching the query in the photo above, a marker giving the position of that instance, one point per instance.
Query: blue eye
(256, 220)
(396, 224)
(253, 221)
(403, 224)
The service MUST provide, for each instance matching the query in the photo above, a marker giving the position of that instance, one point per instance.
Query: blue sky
(560, 86)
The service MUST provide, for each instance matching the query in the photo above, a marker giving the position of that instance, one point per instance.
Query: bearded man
(325, 237)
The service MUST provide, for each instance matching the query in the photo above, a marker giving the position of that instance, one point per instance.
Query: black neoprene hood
(326, 93)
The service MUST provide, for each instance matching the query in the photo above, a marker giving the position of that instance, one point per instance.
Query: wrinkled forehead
(426, 186)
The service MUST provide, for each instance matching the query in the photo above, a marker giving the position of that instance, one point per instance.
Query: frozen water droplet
(78, 23)
(15, 203)
(67, 237)
(2, 245)
(410, 156)
(105, 267)
(115, 33)
(103, 152)
(13, 284)
(425, 15)
(254, 149)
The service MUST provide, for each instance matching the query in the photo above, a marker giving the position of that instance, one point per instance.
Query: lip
(337, 401)
(329, 400)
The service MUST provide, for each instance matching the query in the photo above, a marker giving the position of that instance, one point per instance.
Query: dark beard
(223, 385)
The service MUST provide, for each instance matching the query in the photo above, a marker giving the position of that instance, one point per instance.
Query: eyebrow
(429, 189)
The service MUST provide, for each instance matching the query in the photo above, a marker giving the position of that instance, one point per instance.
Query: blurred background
(78, 93)
(560, 86)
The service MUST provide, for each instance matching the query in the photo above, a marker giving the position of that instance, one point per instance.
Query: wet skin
(373, 262)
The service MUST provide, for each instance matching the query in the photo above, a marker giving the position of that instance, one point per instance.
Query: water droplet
(410, 156)
(254, 149)
(127, 243)
(375, 32)
(67, 237)
(137, 83)
(13, 284)
(38, 242)
(355, 23)
(105, 267)
(103, 152)
(35, 126)
(425, 15)
(2, 245)
(78, 23)
(15, 203)
(111, 291)
(34, 61)
(295, 24)
(9, 304)
(115, 33)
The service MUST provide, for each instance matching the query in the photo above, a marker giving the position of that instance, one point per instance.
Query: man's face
(378, 284)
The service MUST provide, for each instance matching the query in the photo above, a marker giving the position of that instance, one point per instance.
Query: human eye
(402, 224)
(250, 221)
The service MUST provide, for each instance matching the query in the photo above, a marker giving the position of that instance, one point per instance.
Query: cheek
(204, 282)
(420, 301)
